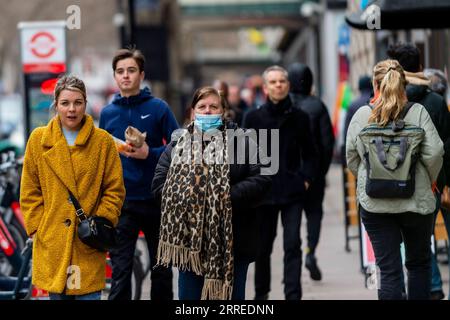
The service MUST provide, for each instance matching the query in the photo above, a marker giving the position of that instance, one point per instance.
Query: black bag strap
(406, 109)
(81, 215)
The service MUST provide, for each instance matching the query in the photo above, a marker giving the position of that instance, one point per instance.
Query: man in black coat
(301, 81)
(366, 92)
(418, 90)
(296, 172)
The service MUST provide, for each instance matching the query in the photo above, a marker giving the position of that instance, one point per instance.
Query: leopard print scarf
(196, 231)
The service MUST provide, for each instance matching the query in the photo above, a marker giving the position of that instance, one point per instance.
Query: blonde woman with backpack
(394, 216)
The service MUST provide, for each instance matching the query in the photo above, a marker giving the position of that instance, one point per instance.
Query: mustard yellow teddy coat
(92, 170)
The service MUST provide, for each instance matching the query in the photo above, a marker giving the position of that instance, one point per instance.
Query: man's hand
(137, 153)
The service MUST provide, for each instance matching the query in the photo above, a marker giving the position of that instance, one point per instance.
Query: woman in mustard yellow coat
(69, 154)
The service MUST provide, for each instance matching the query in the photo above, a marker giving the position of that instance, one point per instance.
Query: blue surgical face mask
(206, 122)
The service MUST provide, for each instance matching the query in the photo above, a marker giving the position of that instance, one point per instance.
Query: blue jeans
(190, 285)
(386, 232)
(90, 296)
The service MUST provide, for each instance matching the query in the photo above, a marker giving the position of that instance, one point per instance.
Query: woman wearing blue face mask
(207, 202)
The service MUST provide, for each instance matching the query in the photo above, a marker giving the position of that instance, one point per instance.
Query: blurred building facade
(106, 25)
(369, 46)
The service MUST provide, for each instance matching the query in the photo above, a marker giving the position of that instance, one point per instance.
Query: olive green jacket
(430, 162)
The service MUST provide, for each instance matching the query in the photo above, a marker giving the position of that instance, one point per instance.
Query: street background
(192, 43)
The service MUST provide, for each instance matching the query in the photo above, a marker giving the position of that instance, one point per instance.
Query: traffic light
(48, 86)
(39, 89)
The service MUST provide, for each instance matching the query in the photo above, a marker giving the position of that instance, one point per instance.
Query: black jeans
(314, 212)
(136, 216)
(386, 232)
(291, 216)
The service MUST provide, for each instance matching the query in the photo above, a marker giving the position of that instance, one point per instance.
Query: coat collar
(53, 132)
(58, 156)
(417, 78)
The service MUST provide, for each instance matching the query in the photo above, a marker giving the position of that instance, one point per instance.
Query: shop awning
(402, 14)
(247, 8)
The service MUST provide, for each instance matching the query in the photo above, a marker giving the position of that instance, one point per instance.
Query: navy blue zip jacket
(148, 114)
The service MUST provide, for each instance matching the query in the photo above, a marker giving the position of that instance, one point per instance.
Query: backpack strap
(408, 106)
(381, 154)
(399, 124)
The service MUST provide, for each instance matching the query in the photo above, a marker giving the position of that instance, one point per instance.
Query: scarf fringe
(214, 289)
(179, 257)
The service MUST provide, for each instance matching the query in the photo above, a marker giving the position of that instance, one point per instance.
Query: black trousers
(386, 232)
(291, 216)
(314, 212)
(136, 216)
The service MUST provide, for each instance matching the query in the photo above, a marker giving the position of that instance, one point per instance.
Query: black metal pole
(132, 20)
(26, 107)
(122, 29)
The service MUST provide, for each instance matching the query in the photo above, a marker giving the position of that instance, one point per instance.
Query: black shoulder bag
(96, 232)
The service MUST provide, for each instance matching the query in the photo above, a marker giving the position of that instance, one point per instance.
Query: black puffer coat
(437, 109)
(248, 188)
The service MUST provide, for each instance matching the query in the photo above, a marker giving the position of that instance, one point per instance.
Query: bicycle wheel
(20, 237)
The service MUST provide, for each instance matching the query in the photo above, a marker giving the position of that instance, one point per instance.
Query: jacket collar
(282, 107)
(143, 95)
(53, 132)
(58, 156)
(417, 78)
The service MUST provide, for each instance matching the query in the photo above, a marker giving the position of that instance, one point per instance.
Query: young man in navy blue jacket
(138, 108)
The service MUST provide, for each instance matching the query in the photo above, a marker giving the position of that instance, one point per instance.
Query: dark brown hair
(126, 53)
(203, 92)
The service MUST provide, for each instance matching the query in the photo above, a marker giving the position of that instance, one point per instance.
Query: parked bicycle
(12, 228)
(15, 288)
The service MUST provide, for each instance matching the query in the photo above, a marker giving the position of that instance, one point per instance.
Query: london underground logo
(43, 44)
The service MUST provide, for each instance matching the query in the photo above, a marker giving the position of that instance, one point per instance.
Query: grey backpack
(391, 154)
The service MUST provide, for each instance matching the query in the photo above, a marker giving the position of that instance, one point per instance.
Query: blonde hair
(390, 84)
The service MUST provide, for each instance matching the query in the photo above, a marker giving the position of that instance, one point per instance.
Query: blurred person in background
(247, 96)
(301, 83)
(237, 104)
(222, 87)
(438, 81)
(365, 93)
(439, 84)
(418, 90)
